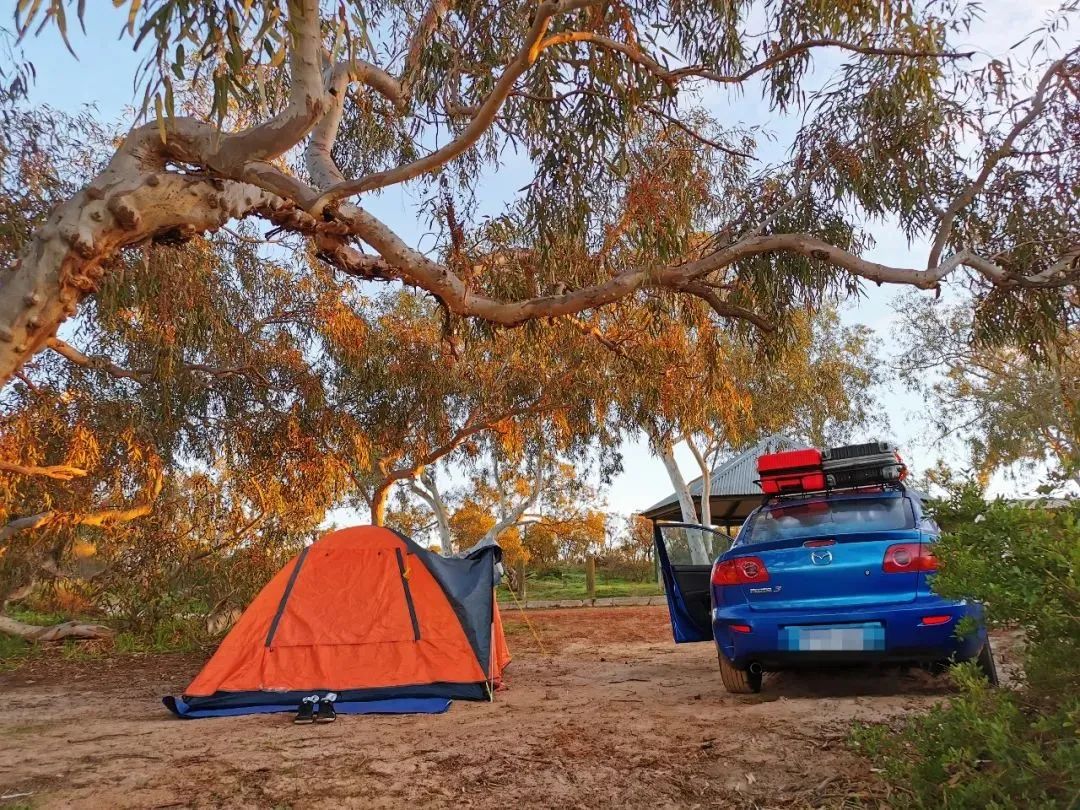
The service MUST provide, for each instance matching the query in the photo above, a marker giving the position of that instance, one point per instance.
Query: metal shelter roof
(734, 494)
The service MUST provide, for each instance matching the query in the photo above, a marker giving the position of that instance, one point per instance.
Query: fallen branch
(58, 632)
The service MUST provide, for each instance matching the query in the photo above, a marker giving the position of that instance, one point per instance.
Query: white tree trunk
(706, 481)
(706, 490)
(513, 516)
(425, 487)
(682, 490)
(699, 554)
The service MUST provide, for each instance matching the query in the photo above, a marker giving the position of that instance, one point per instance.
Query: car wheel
(986, 663)
(738, 681)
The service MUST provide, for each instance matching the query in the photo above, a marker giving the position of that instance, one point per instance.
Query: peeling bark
(132, 201)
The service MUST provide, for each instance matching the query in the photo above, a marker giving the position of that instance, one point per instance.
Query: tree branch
(726, 309)
(102, 363)
(58, 632)
(430, 494)
(425, 30)
(324, 172)
(975, 187)
(675, 76)
(102, 517)
(527, 54)
(514, 515)
(271, 139)
(460, 299)
(61, 472)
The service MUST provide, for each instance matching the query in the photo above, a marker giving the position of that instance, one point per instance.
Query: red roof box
(791, 471)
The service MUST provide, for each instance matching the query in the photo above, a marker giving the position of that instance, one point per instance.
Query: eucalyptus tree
(378, 95)
(1009, 404)
(817, 387)
(421, 397)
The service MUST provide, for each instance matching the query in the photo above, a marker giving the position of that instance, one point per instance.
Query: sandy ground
(610, 713)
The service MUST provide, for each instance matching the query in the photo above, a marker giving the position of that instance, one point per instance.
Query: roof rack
(788, 497)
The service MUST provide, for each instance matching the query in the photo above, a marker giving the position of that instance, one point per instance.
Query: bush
(986, 748)
(990, 748)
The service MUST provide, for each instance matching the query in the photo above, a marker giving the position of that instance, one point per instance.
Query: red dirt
(609, 714)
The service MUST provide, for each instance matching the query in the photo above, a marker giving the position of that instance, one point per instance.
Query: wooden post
(521, 580)
(590, 576)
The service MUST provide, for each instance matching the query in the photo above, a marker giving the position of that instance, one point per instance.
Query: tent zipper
(408, 594)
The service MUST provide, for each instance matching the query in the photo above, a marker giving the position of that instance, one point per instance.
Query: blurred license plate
(833, 638)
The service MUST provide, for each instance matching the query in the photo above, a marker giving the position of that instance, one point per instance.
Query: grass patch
(176, 635)
(13, 651)
(569, 583)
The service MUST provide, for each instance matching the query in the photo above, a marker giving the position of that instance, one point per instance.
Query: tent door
(685, 552)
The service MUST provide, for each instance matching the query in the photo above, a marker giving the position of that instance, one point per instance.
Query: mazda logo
(821, 557)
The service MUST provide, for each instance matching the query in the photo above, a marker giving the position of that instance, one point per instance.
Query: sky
(102, 77)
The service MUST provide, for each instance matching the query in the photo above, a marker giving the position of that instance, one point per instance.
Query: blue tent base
(389, 706)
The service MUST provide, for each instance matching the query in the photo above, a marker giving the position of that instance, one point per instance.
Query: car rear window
(789, 521)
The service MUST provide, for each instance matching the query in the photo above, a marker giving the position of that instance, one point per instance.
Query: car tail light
(935, 620)
(903, 558)
(740, 571)
(740, 628)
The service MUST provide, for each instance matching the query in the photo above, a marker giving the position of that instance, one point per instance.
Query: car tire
(986, 664)
(738, 681)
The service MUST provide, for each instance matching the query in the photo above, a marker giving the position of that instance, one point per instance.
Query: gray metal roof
(733, 480)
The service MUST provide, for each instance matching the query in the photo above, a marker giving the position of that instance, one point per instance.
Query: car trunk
(835, 570)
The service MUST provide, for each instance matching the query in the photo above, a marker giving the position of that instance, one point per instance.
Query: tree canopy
(248, 346)
(299, 108)
(1007, 405)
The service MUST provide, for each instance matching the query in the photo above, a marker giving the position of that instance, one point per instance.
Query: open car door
(685, 552)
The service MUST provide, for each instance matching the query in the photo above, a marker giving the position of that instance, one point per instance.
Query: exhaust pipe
(755, 668)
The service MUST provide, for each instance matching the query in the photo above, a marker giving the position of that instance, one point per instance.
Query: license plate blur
(834, 638)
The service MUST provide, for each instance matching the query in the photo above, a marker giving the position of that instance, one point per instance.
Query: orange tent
(368, 616)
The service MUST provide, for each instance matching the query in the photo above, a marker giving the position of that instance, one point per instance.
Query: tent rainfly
(367, 619)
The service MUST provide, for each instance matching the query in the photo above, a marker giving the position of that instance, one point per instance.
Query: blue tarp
(390, 706)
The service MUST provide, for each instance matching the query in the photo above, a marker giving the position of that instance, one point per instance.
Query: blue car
(816, 580)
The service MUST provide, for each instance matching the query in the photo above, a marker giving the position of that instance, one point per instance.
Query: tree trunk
(425, 486)
(379, 499)
(706, 482)
(516, 513)
(682, 491)
(133, 200)
(706, 490)
(58, 632)
(699, 555)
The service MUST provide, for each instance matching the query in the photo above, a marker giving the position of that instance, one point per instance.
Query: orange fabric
(500, 653)
(346, 625)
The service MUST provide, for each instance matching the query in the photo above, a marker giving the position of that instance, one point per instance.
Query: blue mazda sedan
(817, 580)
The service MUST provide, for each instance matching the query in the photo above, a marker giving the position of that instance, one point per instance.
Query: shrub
(996, 748)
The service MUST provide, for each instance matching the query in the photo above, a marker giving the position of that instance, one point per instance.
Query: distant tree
(1010, 403)
(636, 539)
(815, 386)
